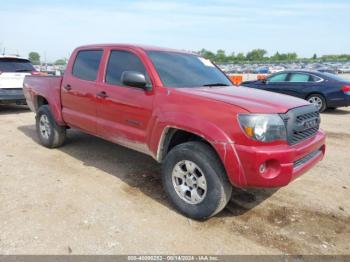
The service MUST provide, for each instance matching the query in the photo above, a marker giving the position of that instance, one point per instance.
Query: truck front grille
(301, 123)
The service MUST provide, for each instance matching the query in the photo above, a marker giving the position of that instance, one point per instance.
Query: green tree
(207, 54)
(220, 56)
(240, 57)
(314, 57)
(62, 61)
(284, 57)
(231, 58)
(256, 55)
(34, 57)
(276, 57)
(292, 56)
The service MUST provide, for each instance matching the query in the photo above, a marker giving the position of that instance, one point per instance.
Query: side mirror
(135, 79)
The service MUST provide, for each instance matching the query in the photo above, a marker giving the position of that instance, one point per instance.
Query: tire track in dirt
(291, 230)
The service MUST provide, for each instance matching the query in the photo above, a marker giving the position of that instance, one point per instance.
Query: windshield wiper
(216, 84)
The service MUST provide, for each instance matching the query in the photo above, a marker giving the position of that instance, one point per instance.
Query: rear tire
(319, 101)
(50, 134)
(195, 180)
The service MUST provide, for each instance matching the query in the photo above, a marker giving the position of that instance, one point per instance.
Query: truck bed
(47, 88)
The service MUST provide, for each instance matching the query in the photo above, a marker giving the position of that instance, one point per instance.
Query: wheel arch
(173, 136)
(39, 101)
(316, 93)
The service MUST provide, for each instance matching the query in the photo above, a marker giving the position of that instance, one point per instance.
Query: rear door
(124, 112)
(13, 71)
(297, 84)
(79, 88)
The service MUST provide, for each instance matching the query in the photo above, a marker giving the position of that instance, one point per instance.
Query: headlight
(264, 128)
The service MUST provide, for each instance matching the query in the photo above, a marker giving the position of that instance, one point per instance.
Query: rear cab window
(12, 65)
(86, 64)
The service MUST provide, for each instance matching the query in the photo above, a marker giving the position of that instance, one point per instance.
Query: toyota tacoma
(183, 111)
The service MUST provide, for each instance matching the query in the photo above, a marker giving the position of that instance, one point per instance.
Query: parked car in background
(13, 69)
(324, 90)
(180, 109)
(344, 69)
(275, 69)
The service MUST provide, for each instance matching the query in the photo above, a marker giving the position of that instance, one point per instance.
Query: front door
(124, 112)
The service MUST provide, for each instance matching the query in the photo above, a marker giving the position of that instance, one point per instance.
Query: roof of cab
(135, 46)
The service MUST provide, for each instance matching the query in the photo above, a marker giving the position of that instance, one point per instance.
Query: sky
(54, 28)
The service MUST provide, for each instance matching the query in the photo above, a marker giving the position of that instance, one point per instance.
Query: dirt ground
(93, 197)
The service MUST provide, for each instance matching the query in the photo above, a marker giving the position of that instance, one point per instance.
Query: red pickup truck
(183, 111)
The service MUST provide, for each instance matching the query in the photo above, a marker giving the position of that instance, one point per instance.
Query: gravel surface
(93, 197)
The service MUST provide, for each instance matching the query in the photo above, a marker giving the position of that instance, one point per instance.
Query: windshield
(15, 65)
(186, 70)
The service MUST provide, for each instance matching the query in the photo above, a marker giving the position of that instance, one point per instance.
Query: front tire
(195, 180)
(318, 101)
(50, 134)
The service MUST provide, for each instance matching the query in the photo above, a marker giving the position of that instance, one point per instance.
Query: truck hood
(250, 99)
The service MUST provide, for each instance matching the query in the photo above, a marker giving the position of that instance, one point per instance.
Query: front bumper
(12, 95)
(283, 163)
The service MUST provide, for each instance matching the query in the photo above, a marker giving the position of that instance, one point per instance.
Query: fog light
(262, 168)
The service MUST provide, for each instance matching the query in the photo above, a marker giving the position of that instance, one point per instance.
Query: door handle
(67, 87)
(102, 94)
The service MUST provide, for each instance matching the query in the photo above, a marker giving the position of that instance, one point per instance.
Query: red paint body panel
(140, 119)
(48, 87)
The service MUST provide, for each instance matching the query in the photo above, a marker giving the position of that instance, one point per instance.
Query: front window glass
(186, 70)
(277, 78)
(121, 61)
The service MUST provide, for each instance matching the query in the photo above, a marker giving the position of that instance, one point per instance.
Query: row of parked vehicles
(271, 68)
(184, 112)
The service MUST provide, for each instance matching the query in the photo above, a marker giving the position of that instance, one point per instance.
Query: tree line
(260, 55)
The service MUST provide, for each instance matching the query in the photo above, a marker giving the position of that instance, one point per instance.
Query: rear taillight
(345, 89)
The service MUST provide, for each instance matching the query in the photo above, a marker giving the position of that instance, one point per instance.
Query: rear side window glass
(299, 78)
(86, 64)
(121, 61)
(314, 78)
(278, 78)
(15, 65)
